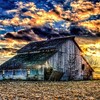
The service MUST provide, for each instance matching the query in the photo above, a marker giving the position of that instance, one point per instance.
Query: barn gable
(67, 60)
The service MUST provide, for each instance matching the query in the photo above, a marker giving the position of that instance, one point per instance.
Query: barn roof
(27, 60)
(44, 45)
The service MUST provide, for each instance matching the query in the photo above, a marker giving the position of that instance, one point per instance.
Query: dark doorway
(47, 73)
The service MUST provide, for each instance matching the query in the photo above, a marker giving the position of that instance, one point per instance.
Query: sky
(23, 21)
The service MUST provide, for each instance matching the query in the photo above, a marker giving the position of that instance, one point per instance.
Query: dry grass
(22, 90)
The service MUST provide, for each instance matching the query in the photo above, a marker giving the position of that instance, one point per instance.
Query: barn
(55, 59)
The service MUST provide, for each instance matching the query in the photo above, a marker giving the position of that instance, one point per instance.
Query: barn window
(83, 66)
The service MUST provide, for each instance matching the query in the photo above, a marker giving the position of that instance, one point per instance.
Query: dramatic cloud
(31, 14)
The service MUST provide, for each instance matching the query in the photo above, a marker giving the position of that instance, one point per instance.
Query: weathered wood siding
(60, 61)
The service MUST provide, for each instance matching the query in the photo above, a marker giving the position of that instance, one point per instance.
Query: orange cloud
(93, 25)
(84, 9)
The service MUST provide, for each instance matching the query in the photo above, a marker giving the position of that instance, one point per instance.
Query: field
(28, 90)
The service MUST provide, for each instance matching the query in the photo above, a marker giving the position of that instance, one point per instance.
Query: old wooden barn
(54, 59)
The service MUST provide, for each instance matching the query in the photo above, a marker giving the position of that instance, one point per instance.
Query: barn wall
(32, 73)
(68, 60)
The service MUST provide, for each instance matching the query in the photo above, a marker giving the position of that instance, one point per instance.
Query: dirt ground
(29, 90)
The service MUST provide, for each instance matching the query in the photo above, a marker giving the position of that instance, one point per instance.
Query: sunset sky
(50, 17)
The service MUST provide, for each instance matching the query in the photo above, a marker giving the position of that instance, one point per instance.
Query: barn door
(56, 76)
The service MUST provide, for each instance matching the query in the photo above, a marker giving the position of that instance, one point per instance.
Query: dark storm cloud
(47, 32)
(18, 37)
